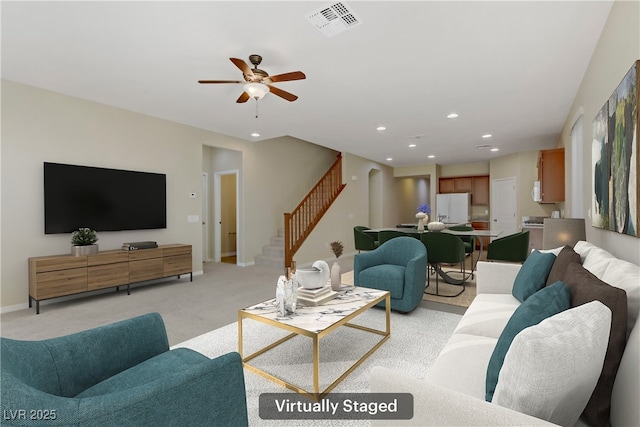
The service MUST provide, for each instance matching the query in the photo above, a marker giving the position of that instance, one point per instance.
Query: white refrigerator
(453, 208)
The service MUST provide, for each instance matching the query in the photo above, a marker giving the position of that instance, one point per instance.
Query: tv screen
(102, 199)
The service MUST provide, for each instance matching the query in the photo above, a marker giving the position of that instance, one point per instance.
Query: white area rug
(416, 340)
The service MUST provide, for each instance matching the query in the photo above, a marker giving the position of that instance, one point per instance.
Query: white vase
(336, 279)
(286, 295)
(422, 218)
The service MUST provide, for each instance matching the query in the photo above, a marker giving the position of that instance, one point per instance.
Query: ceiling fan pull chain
(256, 108)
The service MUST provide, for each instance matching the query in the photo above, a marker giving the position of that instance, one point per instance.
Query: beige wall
(524, 168)
(617, 49)
(39, 126)
(464, 169)
(350, 209)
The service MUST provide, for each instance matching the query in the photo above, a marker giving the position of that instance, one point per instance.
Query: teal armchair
(122, 374)
(398, 266)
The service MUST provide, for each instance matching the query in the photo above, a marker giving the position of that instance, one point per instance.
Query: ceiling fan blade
(244, 97)
(282, 93)
(294, 75)
(219, 81)
(244, 67)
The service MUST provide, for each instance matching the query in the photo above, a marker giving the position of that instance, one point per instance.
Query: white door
(503, 206)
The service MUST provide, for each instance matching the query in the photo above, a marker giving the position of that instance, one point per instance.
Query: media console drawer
(61, 275)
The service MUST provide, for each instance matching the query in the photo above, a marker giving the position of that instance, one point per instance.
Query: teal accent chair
(363, 241)
(512, 248)
(121, 374)
(398, 266)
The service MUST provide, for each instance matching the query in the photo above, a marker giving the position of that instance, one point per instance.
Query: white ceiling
(508, 68)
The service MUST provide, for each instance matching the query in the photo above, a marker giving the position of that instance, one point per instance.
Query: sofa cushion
(544, 303)
(462, 364)
(533, 275)
(552, 368)
(487, 315)
(565, 257)
(162, 365)
(586, 287)
(387, 277)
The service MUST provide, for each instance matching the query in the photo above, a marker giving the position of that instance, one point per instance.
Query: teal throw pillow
(532, 275)
(545, 303)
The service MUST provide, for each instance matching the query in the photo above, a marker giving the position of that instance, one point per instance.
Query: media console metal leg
(128, 289)
(37, 307)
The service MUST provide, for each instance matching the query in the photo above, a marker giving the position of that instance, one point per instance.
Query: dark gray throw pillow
(584, 288)
(566, 256)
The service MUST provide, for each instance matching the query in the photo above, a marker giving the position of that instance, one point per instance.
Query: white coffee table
(315, 323)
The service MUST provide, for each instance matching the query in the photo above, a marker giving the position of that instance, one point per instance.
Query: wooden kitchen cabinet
(447, 185)
(551, 175)
(477, 186)
(464, 184)
(482, 225)
(480, 191)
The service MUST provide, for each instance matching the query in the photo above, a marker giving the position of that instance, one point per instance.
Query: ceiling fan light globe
(256, 90)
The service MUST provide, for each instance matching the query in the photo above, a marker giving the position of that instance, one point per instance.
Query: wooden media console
(61, 275)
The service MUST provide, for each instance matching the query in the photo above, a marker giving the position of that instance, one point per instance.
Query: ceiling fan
(257, 82)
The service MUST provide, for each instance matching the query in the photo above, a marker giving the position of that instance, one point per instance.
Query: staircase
(302, 220)
(273, 254)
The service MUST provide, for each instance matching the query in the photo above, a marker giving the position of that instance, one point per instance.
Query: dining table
(475, 234)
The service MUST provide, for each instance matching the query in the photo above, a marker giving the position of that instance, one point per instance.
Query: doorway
(225, 216)
(503, 206)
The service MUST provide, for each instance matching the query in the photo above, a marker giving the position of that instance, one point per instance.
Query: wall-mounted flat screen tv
(102, 199)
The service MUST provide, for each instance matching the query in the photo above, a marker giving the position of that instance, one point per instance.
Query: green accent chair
(512, 248)
(385, 235)
(444, 248)
(469, 241)
(121, 374)
(398, 266)
(363, 241)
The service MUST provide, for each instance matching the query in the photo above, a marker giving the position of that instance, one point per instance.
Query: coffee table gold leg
(387, 304)
(316, 365)
(240, 334)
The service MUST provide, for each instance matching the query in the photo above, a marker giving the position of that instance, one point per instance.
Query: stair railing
(302, 220)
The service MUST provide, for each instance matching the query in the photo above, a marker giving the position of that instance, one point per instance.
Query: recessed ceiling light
(452, 115)
(431, 156)
(255, 134)
(381, 128)
(389, 159)
(487, 135)
(412, 145)
(495, 149)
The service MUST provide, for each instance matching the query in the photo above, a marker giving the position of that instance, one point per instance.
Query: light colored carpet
(416, 340)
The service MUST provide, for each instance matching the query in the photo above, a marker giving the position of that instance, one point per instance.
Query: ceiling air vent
(333, 19)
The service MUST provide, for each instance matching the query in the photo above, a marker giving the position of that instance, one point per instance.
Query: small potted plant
(83, 242)
(336, 280)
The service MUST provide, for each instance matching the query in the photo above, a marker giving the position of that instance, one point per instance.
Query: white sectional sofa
(453, 393)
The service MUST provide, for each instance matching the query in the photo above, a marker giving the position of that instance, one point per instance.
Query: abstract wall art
(615, 160)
